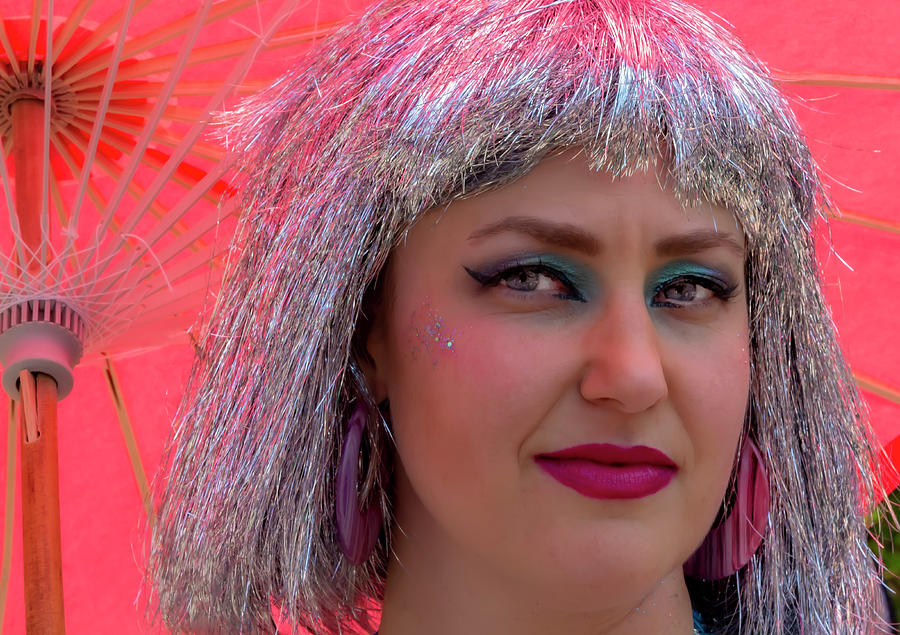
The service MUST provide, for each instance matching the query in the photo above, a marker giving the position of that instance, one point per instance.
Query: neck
(435, 588)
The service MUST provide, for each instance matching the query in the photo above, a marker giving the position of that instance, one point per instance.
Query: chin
(620, 564)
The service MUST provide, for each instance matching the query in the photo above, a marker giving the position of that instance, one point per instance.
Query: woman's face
(567, 369)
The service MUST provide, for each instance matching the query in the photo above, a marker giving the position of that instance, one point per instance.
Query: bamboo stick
(41, 549)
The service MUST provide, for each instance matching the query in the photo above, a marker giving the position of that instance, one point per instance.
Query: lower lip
(601, 480)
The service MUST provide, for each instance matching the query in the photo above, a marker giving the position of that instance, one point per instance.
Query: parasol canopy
(116, 208)
(127, 188)
(838, 64)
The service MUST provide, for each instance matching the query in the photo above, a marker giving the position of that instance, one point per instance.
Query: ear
(370, 339)
(374, 357)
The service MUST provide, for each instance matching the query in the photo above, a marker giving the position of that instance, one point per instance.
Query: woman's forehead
(565, 203)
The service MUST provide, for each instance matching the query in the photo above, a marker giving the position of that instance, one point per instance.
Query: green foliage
(886, 533)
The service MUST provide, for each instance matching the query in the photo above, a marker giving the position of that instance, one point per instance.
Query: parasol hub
(29, 85)
(41, 336)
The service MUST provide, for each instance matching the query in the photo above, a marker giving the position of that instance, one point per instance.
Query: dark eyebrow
(558, 234)
(700, 240)
(573, 237)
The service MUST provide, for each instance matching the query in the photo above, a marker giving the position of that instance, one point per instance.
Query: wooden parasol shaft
(37, 400)
(27, 118)
(41, 552)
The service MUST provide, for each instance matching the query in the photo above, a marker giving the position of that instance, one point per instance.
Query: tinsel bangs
(413, 107)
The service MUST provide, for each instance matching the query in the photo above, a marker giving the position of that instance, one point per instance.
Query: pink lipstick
(610, 471)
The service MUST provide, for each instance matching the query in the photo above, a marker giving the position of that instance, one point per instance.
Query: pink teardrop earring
(729, 545)
(357, 529)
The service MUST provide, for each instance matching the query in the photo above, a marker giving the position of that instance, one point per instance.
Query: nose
(623, 362)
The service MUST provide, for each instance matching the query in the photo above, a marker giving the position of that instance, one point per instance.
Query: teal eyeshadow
(582, 278)
(676, 270)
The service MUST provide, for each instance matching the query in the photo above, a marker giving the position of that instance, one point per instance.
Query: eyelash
(720, 290)
(507, 272)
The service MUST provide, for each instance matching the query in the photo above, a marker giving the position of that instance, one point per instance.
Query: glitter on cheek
(431, 334)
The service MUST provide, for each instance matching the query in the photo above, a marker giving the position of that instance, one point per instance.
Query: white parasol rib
(147, 41)
(214, 104)
(32, 40)
(76, 16)
(96, 273)
(128, 437)
(144, 140)
(98, 126)
(118, 237)
(10, 53)
(192, 197)
(9, 274)
(98, 36)
(48, 96)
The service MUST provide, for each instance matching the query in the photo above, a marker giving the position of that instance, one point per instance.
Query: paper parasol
(117, 208)
(838, 64)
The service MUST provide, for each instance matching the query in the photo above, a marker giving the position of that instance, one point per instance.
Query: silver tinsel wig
(414, 105)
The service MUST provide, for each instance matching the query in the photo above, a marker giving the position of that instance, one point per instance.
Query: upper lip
(610, 454)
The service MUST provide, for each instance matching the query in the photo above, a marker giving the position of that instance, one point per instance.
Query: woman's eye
(536, 279)
(527, 279)
(686, 292)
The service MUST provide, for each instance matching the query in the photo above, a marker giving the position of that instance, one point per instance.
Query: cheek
(489, 369)
(428, 336)
(473, 403)
(458, 380)
(716, 376)
(710, 391)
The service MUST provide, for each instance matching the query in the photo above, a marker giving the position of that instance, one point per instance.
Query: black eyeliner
(506, 269)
